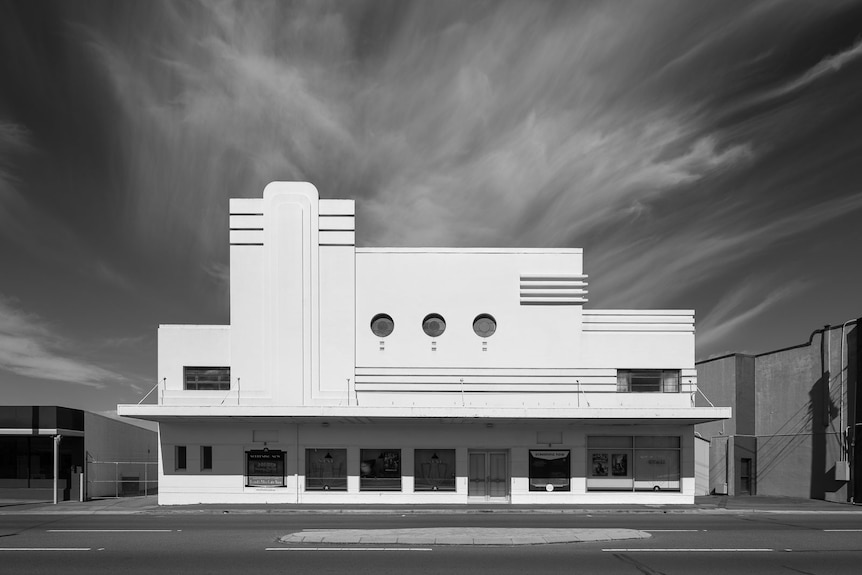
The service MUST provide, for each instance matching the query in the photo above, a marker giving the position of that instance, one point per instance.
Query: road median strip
(459, 536)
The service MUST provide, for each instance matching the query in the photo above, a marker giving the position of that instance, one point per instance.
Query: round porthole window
(433, 324)
(484, 325)
(382, 325)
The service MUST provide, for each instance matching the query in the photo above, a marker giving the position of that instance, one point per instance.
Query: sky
(705, 155)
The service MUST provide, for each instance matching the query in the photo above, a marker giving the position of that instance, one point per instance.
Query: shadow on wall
(773, 449)
(854, 403)
(823, 410)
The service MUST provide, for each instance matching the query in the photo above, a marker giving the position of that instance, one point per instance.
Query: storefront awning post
(57, 439)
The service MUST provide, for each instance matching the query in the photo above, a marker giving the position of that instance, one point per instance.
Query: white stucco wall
(225, 483)
(409, 284)
(194, 346)
(303, 297)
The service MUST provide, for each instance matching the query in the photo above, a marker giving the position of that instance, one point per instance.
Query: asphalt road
(248, 543)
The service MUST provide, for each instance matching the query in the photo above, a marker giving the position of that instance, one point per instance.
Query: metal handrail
(148, 393)
(711, 405)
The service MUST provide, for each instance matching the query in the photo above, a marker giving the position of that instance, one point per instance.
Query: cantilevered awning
(370, 414)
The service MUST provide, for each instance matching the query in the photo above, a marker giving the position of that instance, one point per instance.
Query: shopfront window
(434, 470)
(608, 463)
(380, 470)
(550, 470)
(326, 470)
(264, 468)
(657, 463)
(625, 463)
(26, 461)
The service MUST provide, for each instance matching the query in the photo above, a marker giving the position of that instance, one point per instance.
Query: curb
(59, 510)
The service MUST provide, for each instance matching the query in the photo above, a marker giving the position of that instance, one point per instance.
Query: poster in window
(549, 470)
(265, 468)
(326, 469)
(620, 464)
(600, 464)
(392, 462)
(380, 469)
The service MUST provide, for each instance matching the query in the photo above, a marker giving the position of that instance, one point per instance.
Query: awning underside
(378, 415)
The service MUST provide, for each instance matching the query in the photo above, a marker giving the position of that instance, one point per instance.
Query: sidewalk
(149, 505)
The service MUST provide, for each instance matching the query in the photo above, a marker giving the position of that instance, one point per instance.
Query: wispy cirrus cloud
(30, 347)
(36, 230)
(455, 117)
(746, 303)
(221, 110)
(829, 65)
(688, 259)
(15, 141)
(655, 138)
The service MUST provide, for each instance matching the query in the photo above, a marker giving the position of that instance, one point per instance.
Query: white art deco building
(418, 375)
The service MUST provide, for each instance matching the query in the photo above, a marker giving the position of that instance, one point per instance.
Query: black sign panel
(265, 468)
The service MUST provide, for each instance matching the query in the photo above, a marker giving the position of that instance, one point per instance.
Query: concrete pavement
(443, 535)
(149, 505)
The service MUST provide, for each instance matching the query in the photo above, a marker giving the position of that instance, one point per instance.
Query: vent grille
(553, 289)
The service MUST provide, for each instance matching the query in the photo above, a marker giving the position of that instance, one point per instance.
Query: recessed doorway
(489, 475)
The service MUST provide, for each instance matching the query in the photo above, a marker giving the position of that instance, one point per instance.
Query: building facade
(795, 419)
(59, 453)
(410, 375)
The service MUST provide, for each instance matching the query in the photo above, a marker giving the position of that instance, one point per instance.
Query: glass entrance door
(489, 475)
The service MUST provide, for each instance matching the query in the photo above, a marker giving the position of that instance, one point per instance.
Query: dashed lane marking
(349, 549)
(109, 530)
(45, 548)
(687, 550)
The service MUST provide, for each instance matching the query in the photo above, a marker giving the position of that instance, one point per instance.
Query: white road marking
(45, 548)
(671, 530)
(842, 530)
(110, 530)
(681, 550)
(348, 549)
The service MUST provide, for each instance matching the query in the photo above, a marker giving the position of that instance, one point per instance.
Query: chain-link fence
(121, 478)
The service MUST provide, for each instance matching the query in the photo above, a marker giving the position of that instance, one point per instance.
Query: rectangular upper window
(206, 378)
(647, 380)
